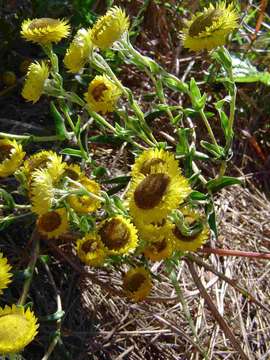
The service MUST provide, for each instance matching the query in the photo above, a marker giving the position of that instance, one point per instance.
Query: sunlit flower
(102, 94)
(36, 76)
(45, 30)
(5, 274)
(154, 231)
(73, 171)
(91, 250)
(159, 250)
(152, 158)
(41, 191)
(152, 197)
(192, 242)
(137, 284)
(53, 223)
(77, 54)
(210, 28)
(109, 28)
(18, 327)
(118, 235)
(85, 203)
(11, 156)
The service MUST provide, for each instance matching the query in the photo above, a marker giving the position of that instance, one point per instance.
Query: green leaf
(216, 150)
(174, 83)
(8, 199)
(198, 101)
(211, 218)
(59, 122)
(99, 171)
(71, 152)
(198, 196)
(221, 182)
(118, 180)
(52, 317)
(106, 139)
(77, 129)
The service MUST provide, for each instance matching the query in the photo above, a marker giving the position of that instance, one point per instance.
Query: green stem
(209, 129)
(33, 138)
(31, 266)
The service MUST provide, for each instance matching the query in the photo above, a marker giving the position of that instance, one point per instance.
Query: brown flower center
(146, 166)
(71, 174)
(49, 221)
(134, 283)
(114, 234)
(5, 151)
(97, 92)
(150, 191)
(204, 21)
(89, 246)
(42, 23)
(38, 163)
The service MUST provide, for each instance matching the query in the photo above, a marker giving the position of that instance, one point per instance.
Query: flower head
(11, 156)
(73, 171)
(91, 250)
(45, 30)
(18, 327)
(77, 54)
(154, 231)
(53, 223)
(159, 250)
(85, 203)
(137, 284)
(153, 158)
(118, 235)
(153, 196)
(41, 191)
(210, 28)
(5, 274)
(102, 94)
(192, 241)
(36, 76)
(109, 28)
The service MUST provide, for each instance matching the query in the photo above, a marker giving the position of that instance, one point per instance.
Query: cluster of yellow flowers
(18, 326)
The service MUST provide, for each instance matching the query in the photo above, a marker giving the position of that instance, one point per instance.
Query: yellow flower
(137, 284)
(73, 171)
(11, 156)
(41, 191)
(210, 28)
(159, 250)
(18, 327)
(118, 235)
(36, 76)
(77, 54)
(102, 94)
(85, 204)
(152, 197)
(53, 223)
(91, 250)
(154, 231)
(109, 28)
(44, 160)
(193, 242)
(45, 30)
(152, 158)
(5, 273)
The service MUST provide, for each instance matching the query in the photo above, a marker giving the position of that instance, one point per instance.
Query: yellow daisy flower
(102, 94)
(210, 28)
(77, 54)
(118, 235)
(153, 157)
(137, 284)
(91, 250)
(159, 250)
(5, 274)
(154, 196)
(44, 160)
(53, 223)
(45, 30)
(154, 231)
(18, 327)
(41, 191)
(109, 28)
(189, 243)
(11, 156)
(84, 204)
(36, 76)
(73, 171)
